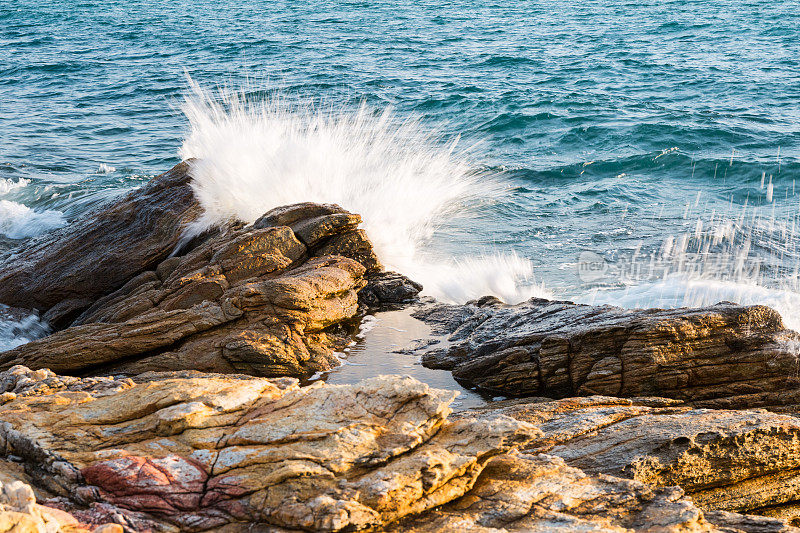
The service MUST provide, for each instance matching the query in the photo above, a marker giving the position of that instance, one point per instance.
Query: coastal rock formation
(64, 272)
(525, 493)
(190, 451)
(264, 299)
(724, 355)
(734, 461)
(199, 451)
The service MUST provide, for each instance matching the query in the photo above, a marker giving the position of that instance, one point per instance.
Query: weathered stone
(65, 271)
(724, 355)
(202, 452)
(192, 452)
(541, 493)
(251, 299)
(19, 513)
(742, 461)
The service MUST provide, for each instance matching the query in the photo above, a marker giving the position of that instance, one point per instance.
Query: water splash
(679, 291)
(104, 168)
(17, 329)
(7, 185)
(18, 221)
(748, 254)
(253, 155)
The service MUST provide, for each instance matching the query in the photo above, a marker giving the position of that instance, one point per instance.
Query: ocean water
(635, 153)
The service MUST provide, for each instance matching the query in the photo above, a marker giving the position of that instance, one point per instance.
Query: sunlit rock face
(194, 452)
(267, 298)
(200, 451)
(724, 355)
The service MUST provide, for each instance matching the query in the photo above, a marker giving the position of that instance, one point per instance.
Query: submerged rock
(724, 355)
(193, 452)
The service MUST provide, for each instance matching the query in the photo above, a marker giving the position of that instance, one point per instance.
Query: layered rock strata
(269, 298)
(195, 452)
(724, 355)
(737, 461)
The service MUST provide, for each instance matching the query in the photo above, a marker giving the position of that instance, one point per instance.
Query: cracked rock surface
(197, 452)
(524, 493)
(724, 355)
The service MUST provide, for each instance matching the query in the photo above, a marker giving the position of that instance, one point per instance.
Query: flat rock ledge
(723, 356)
(185, 451)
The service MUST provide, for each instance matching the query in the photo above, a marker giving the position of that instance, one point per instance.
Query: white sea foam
(105, 169)
(7, 185)
(677, 291)
(252, 156)
(507, 276)
(18, 221)
(16, 330)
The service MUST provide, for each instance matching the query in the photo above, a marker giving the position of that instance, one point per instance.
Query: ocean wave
(249, 156)
(7, 185)
(18, 221)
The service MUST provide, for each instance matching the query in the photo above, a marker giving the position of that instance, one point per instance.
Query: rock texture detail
(723, 356)
(201, 452)
(736, 461)
(265, 299)
(525, 493)
(193, 452)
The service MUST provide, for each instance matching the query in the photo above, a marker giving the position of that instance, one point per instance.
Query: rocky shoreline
(169, 396)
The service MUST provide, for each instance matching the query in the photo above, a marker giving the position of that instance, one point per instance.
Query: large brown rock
(260, 299)
(724, 355)
(194, 452)
(65, 271)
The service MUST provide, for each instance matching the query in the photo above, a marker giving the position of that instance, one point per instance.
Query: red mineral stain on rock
(165, 484)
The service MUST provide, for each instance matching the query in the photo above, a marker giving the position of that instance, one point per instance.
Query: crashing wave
(251, 156)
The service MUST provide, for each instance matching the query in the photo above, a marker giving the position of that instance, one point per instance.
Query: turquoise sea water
(636, 133)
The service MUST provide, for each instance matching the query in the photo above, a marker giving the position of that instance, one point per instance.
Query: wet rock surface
(266, 299)
(64, 272)
(724, 355)
(192, 452)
